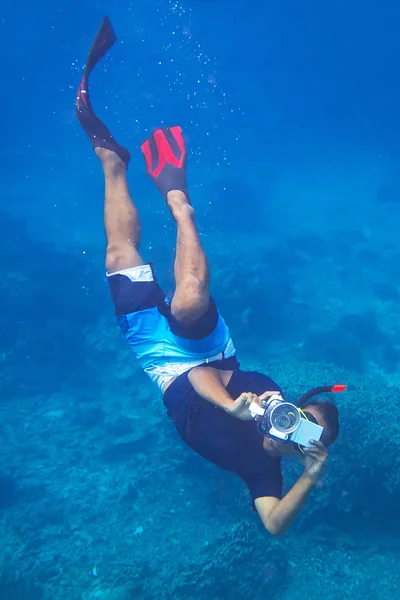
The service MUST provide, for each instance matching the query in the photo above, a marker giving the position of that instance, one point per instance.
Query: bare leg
(121, 218)
(192, 274)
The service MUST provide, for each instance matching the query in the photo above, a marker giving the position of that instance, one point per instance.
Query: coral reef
(99, 497)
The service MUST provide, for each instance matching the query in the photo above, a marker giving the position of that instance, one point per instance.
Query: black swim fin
(97, 132)
(165, 157)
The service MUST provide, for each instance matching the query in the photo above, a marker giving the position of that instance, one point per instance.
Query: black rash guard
(222, 439)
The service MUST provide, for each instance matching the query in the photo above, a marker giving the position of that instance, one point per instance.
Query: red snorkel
(322, 389)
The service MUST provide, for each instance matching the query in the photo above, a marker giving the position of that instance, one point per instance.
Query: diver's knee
(190, 302)
(119, 257)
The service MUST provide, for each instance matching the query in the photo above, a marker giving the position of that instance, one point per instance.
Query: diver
(238, 420)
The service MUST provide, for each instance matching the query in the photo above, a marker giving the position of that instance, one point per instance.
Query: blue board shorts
(164, 346)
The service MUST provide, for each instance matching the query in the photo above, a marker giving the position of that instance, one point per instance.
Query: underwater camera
(288, 422)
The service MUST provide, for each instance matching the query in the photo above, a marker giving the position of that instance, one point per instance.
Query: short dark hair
(330, 414)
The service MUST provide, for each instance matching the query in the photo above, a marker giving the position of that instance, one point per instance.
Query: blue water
(291, 113)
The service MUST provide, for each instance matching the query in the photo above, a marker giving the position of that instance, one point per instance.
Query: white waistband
(162, 374)
(219, 356)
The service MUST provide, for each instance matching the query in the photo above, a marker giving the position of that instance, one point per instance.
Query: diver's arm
(277, 515)
(207, 382)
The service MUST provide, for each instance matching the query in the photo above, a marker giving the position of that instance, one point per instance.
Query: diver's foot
(112, 163)
(179, 204)
(165, 158)
(96, 131)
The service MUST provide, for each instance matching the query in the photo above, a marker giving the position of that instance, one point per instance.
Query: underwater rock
(363, 327)
(390, 357)
(86, 418)
(289, 322)
(344, 350)
(297, 320)
(120, 427)
(8, 491)
(32, 493)
(281, 260)
(225, 209)
(311, 244)
(128, 447)
(131, 495)
(17, 585)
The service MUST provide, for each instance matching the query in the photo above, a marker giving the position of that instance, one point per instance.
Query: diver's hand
(240, 407)
(267, 395)
(314, 459)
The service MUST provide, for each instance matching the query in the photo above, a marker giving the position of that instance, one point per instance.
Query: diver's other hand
(267, 395)
(240, 407)
(314, 459)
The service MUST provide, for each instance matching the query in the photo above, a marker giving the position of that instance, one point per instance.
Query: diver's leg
(121, 218)
(165, 156)
(191, 270)
(120, 215)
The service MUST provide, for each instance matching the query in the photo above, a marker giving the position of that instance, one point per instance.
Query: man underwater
(236, 419)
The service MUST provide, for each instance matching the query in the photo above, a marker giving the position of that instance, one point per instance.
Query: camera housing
(305, 432)
(283, 421)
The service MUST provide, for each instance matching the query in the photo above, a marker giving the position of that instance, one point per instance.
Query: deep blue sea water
(291, 116)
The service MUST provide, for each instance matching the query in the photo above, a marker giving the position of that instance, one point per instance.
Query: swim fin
(165, 157)
(97, 132)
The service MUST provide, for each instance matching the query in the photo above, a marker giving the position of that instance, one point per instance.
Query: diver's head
(327, 415)
(323, 413)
